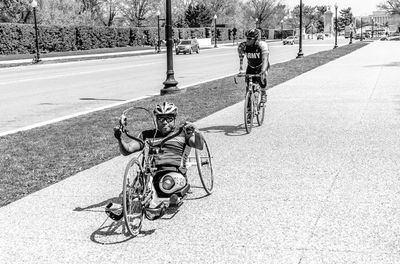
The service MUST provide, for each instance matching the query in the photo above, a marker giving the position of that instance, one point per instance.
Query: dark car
(187, 46)
(358, 36)
(320, 36)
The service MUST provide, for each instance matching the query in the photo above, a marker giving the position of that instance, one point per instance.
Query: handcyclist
(257, 54)
(170, 180)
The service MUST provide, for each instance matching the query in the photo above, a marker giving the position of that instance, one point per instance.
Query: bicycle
(252, 103)
(138, 187)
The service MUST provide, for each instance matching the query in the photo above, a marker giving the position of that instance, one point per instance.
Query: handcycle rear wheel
(204, 167)
(133, 191)
(248, 111)
(260, 110)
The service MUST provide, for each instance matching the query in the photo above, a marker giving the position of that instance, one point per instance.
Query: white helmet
(166, 109)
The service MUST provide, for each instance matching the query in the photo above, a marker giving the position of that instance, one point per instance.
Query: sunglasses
(165, 118)
(250, 39)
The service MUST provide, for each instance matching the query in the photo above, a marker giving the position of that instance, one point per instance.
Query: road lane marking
(93, 71)
(55, 120)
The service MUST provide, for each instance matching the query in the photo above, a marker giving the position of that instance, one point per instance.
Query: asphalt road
(38, 93)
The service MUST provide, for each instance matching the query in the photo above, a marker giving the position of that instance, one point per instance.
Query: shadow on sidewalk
(392, 64)
(232, 131)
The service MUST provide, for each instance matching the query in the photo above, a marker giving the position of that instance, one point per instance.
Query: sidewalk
(317, 183)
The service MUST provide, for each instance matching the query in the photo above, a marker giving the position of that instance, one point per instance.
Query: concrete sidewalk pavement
(317, 183)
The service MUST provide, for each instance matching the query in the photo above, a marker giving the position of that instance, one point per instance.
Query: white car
(291, 40)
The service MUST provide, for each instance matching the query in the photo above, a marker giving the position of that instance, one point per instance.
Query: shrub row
(20, 38)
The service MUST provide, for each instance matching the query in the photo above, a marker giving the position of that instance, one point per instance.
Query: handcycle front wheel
(248, 111)
(204, 167)
(133, 191)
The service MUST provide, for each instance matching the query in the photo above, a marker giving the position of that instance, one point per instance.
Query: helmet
(253, 33)
(166, 109)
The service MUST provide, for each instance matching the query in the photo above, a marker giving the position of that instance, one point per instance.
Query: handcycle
(252, 102)
(138, 189)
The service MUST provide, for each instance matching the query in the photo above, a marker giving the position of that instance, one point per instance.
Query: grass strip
(34, 159)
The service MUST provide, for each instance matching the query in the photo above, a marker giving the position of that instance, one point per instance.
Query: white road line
(99, 108)
(90, 72)
(76, 73)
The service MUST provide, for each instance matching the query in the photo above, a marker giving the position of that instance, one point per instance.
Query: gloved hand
(189, 128)
(117, 132)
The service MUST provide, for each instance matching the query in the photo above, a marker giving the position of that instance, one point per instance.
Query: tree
(262, 10)
(198, 15)
(345, 18)
(311, 16)
(136, 11)
(59, 12)
(391, 6)
(15, 11)
(107, 12)
(319, 15)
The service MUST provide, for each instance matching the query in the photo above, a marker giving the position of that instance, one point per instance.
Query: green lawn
(31, 160)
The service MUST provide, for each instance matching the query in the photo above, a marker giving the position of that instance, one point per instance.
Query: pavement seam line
(323, 209)
(370, 96)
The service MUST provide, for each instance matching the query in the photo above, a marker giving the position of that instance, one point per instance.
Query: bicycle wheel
(133, 190)
(260, 110)
(204, 167)
(248, 111)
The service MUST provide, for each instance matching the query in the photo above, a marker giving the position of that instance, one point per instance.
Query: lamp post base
(335, 46)
(36, 60)
(300, 55)
(170, 86)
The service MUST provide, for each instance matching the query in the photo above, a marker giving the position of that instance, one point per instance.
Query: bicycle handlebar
(245, 75)
(248, 75)
(161, 143)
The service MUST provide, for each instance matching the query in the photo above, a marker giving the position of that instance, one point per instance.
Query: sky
(358, 7)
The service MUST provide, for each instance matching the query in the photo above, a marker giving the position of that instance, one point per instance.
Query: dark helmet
(253, 33)
(166, 109)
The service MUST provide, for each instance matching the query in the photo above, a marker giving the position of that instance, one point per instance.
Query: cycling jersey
(175, 150)
(254, 54)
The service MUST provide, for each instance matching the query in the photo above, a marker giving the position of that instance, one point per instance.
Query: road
(38, 93)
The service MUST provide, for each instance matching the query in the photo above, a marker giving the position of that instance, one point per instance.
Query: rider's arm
(196, 140)
(193, 137)
(265, 56)
(127, 148)
(241, 54)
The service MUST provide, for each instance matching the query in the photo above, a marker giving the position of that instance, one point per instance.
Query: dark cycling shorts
(257, 70)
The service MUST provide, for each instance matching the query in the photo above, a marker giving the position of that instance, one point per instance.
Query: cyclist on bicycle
(170, 179)
(257, 53)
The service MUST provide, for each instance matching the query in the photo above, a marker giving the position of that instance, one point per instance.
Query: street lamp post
(336, 28)
(170, 84)
(361, 37)
(372, 32)
(282, 29)
(300, 53)
(158, 31)
(215, 31)
(36, 59)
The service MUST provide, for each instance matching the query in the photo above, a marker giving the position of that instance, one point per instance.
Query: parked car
(395, 38)
(358, 36)
(320, 36)
(187, 46)
(291, 40)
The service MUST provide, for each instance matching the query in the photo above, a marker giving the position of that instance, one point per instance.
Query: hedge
(20, 38)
